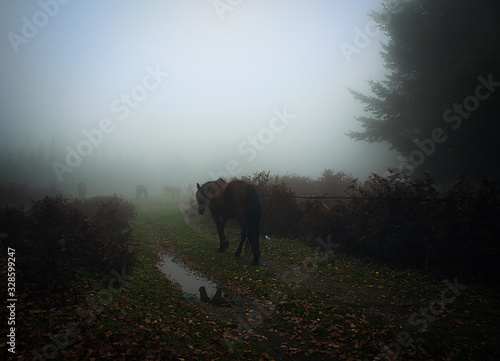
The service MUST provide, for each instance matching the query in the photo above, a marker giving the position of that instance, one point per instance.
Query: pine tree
(428, 108)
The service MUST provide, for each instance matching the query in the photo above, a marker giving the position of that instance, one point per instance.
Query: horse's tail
(253, 214)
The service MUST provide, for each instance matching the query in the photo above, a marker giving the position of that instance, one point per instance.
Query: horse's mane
(206, 186)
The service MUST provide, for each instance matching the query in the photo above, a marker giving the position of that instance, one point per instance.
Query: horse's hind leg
(243, 237)
(256, 253)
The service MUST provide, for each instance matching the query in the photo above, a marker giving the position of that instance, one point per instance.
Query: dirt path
(374, 299)
(368, 312)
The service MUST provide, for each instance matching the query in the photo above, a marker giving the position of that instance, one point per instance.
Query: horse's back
(231, 200)
(234, 192)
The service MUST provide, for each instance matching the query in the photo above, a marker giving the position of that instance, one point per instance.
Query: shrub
(410, 223)
(60, 239)
(111, 216)
(280, 213)
(407, 222)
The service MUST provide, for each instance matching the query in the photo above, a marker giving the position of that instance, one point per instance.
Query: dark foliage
(437, 52)
(280, 213)
(59, 240)
(455, 231)
(402, 221)
(283, 212)
(411, 223)
(21, 194)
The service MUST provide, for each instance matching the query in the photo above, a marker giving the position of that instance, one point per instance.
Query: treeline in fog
(54, 167)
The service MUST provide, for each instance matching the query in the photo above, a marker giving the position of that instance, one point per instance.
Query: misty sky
(191, 84)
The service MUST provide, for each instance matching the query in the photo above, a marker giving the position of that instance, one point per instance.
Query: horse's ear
(198, 185)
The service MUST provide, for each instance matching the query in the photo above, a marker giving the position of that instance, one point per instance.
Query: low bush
(280, 213)
(412, 224)
(407, 222)
(59, 240)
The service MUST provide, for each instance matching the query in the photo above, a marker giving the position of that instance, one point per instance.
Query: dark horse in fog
(239, 200)
(140, 190)
(82, 189)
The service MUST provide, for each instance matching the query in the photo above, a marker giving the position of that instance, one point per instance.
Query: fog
(116, 93)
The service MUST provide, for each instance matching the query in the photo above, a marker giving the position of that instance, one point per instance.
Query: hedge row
(408, 222)
(58, 240)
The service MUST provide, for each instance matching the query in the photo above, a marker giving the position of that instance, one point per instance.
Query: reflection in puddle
(186, 278)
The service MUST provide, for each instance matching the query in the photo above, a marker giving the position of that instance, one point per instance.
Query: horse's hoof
(220, 250)
(237, 254)
(256, 263)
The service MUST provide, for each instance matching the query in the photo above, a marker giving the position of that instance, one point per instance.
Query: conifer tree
(439, 105)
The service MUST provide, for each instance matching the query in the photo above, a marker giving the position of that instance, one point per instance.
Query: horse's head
(208, 191)
(201, 198)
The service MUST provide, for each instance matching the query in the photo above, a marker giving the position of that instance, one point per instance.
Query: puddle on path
(186, 278)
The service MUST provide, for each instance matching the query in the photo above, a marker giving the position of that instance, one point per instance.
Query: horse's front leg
(224, 242)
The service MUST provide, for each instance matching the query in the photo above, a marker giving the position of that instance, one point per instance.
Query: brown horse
(237, 199)
(82, 189)
(167, 190)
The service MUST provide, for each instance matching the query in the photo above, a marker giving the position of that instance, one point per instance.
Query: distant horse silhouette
(173, 191)
(237, 199)
(140, 190)
(82, 189)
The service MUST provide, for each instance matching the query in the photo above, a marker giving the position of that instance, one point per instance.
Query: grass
(298, 304)
(404, 290)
